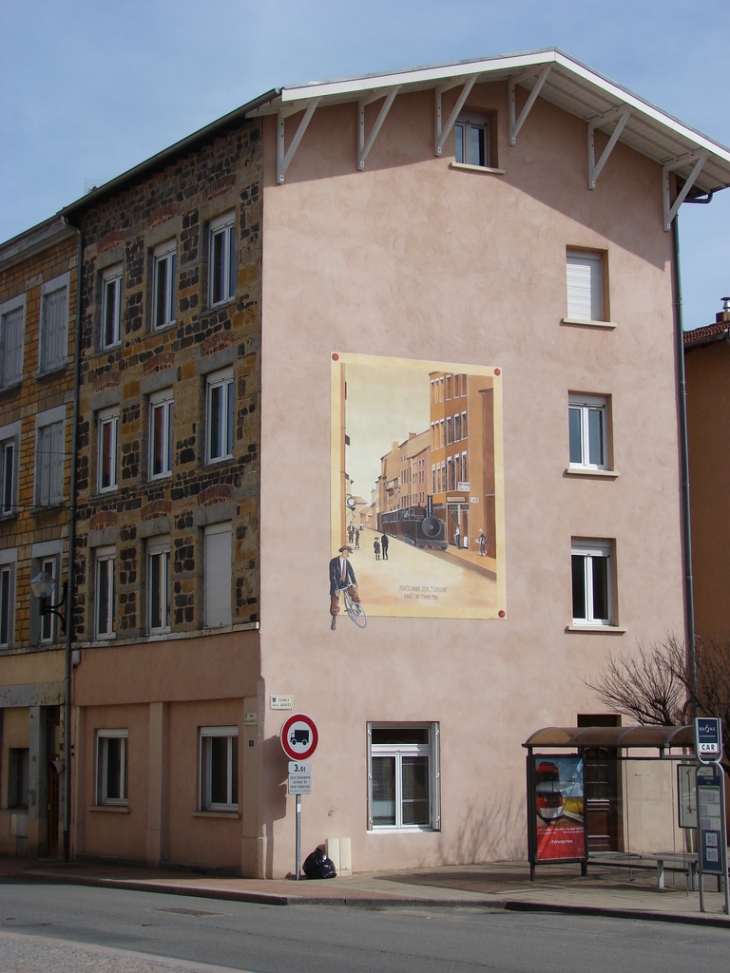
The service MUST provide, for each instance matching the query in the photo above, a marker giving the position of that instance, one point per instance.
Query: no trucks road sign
(299, 737)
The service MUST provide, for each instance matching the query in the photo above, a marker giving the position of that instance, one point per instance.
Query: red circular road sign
(299, 737)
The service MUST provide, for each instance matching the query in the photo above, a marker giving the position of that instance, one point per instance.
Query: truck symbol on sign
(299, 737)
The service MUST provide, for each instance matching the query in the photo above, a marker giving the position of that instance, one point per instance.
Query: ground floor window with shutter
(218, 768)
(217, 571)
(111, 766)
(403, 776)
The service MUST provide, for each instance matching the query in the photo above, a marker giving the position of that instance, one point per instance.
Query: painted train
(414, 525)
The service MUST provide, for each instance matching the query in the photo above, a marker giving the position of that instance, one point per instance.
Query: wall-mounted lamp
(43, 586)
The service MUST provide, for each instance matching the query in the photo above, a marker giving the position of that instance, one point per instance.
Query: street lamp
(43, 586)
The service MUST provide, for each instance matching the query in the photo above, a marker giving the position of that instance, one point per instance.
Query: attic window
(472, 141)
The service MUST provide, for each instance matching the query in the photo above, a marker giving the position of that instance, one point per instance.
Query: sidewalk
(617, 892)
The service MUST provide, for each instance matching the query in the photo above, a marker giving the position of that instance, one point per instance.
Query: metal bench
(662, 861)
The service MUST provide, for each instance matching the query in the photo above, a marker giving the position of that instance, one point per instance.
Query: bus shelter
(610, 792)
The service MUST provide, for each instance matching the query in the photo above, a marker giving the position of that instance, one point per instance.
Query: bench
(662, 862)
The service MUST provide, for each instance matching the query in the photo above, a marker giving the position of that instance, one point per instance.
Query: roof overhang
(618, 737)
(569, 84)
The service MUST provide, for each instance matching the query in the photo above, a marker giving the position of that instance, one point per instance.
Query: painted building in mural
(379, 342)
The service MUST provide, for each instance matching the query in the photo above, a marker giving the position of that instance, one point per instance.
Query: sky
(90, 88)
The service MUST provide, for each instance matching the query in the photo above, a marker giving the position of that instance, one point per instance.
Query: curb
(703, 919)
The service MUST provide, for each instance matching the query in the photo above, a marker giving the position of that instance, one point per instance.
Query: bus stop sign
(708, 738)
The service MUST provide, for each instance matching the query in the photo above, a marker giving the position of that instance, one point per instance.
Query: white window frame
(398, 751)
(53, 354)
(50, 459)
(158, 566)
(111, 306)
(12, 346)
(217, 590)
(585, 555)
(221, 382)
(107, 457)
(584, 275)
(164, 276)
(8, 561)
(221, 281)
(105, 592)
(9, 464)
(581, 410)
(48, 623)
(463, 127)
(206, 736)
(103, 738)
(162, 406)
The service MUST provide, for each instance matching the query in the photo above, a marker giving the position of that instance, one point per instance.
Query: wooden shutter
(53, 330)
(585, 286)
(56, 464)
(12, 347)
(217, 570)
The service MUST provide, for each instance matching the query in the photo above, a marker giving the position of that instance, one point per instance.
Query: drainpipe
(684, 459)
(72, 550)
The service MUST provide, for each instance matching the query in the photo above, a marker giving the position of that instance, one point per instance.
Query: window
(12, 335)
(158, 584)
(54, 324)
(220, 416)
(587, 426)
(222, 274)
(108, 439)
(105, 594)
(403, 776)
(111, 307)
(9, 438)
(49, 458)
(47, 622)
(161, 434)
(472, 140)
(165, 259)
(219, 768)
(18, 770)
(592, 582)
(584, 273)
(7, 598)
(111, 766)
(217, 566)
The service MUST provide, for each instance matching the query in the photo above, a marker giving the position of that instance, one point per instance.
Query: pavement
(607, 890)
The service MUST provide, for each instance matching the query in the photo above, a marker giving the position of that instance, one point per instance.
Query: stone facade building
(264, 308)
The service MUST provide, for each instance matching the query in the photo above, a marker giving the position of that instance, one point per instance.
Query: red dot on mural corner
(497, 371)
(502, 614)
(335, 358)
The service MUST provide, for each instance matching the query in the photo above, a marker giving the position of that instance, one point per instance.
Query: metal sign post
(711, 821)
(299, 737)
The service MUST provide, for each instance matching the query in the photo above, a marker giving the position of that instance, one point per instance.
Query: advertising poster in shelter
(559, 807)
(417, 485)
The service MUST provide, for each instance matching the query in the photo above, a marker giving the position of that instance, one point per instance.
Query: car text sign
(708, 737)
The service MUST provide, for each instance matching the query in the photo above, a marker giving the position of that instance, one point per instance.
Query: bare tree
(661, 686)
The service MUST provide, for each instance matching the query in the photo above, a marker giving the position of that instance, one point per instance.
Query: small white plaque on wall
(251, 719)
(281, 702)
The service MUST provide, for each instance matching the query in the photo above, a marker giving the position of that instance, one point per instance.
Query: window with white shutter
(12, 335)
(50, 457)
(54, 329)
(217, 571)
(584, 274)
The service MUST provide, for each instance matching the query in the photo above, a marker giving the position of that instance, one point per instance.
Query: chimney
(724, 315)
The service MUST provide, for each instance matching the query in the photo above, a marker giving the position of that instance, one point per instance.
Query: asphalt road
(68, 929)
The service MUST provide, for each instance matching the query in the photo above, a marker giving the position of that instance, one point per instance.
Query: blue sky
(89, 88)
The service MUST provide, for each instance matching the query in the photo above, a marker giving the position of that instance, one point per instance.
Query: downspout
(684, 460)
(72, 550)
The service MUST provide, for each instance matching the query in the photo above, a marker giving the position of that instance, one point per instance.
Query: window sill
(587, 471)
(162, 327)
(226, 815)
(53, 370)
(111, 808)
(227, 300)
(43, 508)
(465, 167)
(580, 323)
(105, 349)
(11, 386)
(597, 629)
(388, 829)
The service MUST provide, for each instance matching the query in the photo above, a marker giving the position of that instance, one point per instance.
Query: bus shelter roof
(625, 737)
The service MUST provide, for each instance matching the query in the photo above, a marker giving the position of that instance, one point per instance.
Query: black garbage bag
(318, 865)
